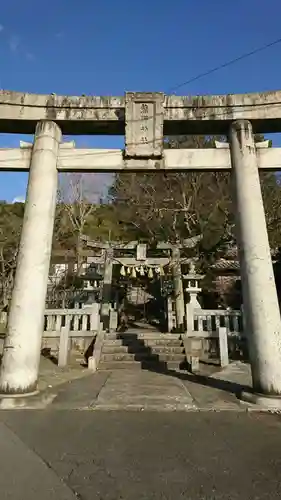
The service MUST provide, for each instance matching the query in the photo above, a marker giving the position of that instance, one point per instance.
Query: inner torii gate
(141, 258)
(143, 118)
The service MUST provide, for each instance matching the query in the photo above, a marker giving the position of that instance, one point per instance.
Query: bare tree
(78, 198)
(271, 191)
(10, 229)
(172, 207)
(7, 270)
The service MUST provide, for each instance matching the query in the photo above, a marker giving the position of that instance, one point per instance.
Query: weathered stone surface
(223, 345)
(261, 307)
(19, 112)
(63, 347)
(111, 160)
(19, 370)
(139, 389)
(178, 289)
(141, 350)
(144, 124)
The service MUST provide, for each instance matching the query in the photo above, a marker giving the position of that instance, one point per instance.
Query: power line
(172, 89)
(224, 65)
(101, 152)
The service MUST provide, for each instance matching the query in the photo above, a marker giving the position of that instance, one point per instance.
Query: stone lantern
(193, 280)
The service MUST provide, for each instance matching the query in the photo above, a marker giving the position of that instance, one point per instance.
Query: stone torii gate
(143, 118)
(141, 258)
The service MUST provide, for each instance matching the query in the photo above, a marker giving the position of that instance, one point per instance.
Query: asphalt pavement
(111, 455)
(24, 475)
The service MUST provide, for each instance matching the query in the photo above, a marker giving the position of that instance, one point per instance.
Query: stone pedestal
(258, 284)
(20, 364)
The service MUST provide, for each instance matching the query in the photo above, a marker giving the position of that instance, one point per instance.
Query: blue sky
(109, 47)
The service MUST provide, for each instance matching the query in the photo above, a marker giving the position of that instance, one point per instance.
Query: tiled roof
(231, 253)
(224, 264)
(228, 265)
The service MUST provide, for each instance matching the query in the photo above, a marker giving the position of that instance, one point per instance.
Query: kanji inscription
(144, 124)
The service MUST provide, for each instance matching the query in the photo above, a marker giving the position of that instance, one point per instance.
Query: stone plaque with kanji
(144, 124)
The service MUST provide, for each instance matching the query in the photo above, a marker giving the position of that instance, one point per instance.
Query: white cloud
(29, 56)
(16, 46)
(14, 42)
(19, 199)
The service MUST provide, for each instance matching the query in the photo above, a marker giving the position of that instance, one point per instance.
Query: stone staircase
(142, 349)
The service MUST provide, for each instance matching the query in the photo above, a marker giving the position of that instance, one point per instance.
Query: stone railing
(207, 322)
(77, 321)
(76, 328)
(209, 329)
(66, 330)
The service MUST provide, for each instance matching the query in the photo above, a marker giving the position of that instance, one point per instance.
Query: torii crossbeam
(71, 159)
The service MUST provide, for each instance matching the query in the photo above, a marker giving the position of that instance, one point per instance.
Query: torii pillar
(260, 299)
(178, 289)
(20, 364)
(107, 289)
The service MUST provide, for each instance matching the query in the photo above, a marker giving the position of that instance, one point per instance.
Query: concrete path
(50, 375)
(147, 390)
(140, 390)
(220, 391)
(114, 455)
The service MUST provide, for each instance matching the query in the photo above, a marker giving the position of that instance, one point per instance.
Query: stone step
(142, 335)
(142, 331)
(142, 365)
(144, 342)
(142, 356)
(137, 348)
(116, 365)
